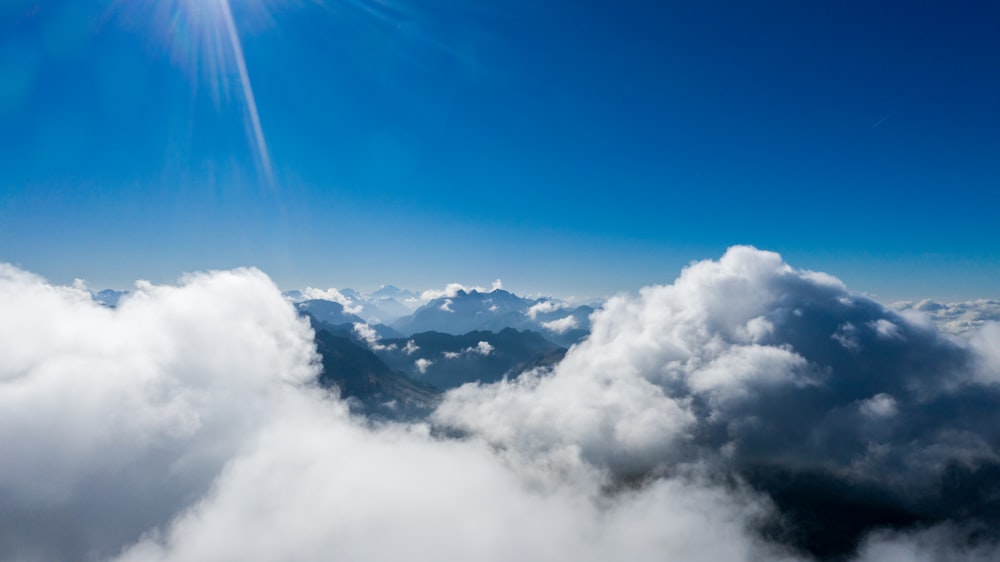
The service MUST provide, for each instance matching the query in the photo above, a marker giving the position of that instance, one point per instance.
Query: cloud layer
(182, 425)
(185, 425)
(960, 318)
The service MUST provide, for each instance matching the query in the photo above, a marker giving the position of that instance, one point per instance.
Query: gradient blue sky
(567, 147)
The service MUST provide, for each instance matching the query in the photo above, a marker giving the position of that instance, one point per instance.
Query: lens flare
(203, 38)
(247, 87)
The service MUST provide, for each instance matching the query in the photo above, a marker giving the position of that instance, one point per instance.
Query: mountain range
(464, 311)
(447, 361)
(395, 312)
(393, 352)
(456, 310)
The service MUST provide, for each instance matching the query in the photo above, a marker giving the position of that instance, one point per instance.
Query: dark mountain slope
(360, 375)
(453, 360)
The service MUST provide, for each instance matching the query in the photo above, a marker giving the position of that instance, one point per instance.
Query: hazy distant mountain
(294, 295)
(389, 291)
(109, 297)
(447, 361)
(328, 312)
(382, 306)
(360, 375)
(383, 309)
(466, 311)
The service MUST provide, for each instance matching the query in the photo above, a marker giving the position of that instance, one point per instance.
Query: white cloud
(881, 405)
(561, 325)
(940, 543)
(986, 341)
(411, 347)
(483, 348)
(111, 421)
(315, 485)
(607, 418)
(333, 295)
(542, 307)
(886, 329)
(735, 374)
(451, 290)
(749, 360)
(959, 318)
(422, 364)
(370, 337)
(446, 305)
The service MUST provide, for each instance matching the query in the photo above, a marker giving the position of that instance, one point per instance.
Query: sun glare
(247, 88)
(203, 37)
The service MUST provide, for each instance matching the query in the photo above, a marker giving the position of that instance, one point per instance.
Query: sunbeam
(203, 37)
(247, 87)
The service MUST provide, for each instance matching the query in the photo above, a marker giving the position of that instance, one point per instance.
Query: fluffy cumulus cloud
(750, 365)
(702, 420)
(183, 425)
(113, 420)
(483, 348)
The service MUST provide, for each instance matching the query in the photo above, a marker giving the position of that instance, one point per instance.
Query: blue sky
(574, 148)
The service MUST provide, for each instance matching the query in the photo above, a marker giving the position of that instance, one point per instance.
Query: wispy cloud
(882, 120)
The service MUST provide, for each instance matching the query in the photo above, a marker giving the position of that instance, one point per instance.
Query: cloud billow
(751, 365)
(185, 424)
(112, 420)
